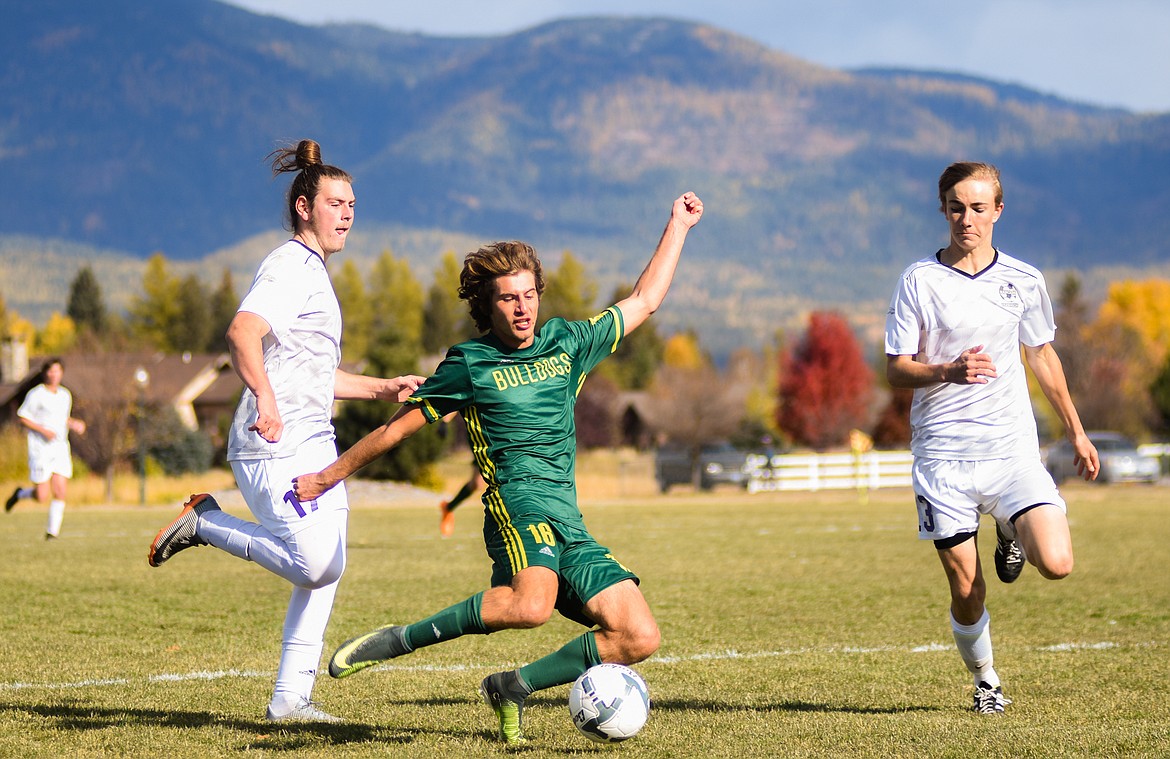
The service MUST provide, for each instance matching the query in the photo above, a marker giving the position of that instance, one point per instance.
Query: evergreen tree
(396, 330)
(446, 321)
(192, 331)
(637, 359)
(224, 303)
(569, 291)
(395, 349)
(356, 312)
(1160, 394)
(154, 313)
(86, 307)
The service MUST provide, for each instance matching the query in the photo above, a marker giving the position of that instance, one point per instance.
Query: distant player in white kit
(46, 414)
(953, 333)
(285, 344)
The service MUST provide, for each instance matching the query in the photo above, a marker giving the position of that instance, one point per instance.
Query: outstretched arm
(1045, 364)
(402, 425)
(651, 287)
(359, 387)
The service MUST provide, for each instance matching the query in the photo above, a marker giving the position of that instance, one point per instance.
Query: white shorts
(49, 459)
(266, 485)
(952, 494)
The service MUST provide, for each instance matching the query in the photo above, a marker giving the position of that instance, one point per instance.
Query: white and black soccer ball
(609, 703)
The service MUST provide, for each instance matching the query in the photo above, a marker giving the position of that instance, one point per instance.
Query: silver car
(1120, 460)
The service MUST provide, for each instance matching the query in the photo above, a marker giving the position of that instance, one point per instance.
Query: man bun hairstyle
(477, 281)
(305, 158)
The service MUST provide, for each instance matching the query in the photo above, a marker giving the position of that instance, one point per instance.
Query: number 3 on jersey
(925, 515)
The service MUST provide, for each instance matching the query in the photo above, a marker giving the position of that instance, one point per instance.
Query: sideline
(724, 655)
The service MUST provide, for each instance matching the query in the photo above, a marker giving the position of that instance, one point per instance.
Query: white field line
(724, 655)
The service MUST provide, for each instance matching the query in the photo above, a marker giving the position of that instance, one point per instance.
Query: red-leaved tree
(825, 386)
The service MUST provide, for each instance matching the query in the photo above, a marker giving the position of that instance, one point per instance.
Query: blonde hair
(482, 268)
(961, 170)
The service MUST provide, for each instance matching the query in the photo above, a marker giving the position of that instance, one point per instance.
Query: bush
(406, 463)
(176, 449)
(13, 453)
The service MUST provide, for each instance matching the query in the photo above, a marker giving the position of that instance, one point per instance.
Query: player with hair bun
(954, 330)
(285, 343)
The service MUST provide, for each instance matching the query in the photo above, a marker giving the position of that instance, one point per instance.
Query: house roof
(180, 380)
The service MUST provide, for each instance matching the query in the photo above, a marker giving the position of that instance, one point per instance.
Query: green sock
(461, 619)
(563, 665)
(461, 496)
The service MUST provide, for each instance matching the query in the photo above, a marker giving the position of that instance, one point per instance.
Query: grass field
(804, 625)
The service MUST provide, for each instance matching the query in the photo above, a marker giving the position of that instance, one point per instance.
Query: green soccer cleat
(509, 711)
(367, 650)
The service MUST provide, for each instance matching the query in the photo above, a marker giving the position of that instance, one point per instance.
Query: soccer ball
(609, 703)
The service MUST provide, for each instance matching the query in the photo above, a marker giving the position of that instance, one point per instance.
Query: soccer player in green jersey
(516, 389)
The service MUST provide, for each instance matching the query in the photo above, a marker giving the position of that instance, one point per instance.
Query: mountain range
(128, 128)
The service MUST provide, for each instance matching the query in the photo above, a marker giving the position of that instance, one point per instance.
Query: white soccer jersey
(49, 409)
(292, 292)
(936, 313)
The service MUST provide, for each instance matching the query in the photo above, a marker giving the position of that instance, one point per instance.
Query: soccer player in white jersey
(953, 333)
(46, 414)
(285, 343)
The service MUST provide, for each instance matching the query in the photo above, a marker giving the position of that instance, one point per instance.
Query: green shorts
(532, 537)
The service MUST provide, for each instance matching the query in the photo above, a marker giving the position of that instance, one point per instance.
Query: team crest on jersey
(1010, 296)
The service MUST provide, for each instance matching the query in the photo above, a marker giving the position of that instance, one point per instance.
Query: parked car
(1120, 460)
(717, 464)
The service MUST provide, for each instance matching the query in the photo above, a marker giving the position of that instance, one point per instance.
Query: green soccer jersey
(518, 404)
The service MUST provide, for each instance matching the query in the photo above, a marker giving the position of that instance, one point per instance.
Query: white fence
(829, 471)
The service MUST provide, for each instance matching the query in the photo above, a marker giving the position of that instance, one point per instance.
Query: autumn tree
(1126, 345)
(57, 336)
(1120, 379)
(892, 428)
(755, 371)
(826, 385)
(682, 351)
(693, 403)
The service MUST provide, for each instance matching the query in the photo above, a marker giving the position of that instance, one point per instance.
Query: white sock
(300, 650)
(56, 516)
(26, 493)
(974, 644)
(249, 541)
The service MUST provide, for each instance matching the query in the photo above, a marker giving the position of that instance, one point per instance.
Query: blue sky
(1104, 52)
